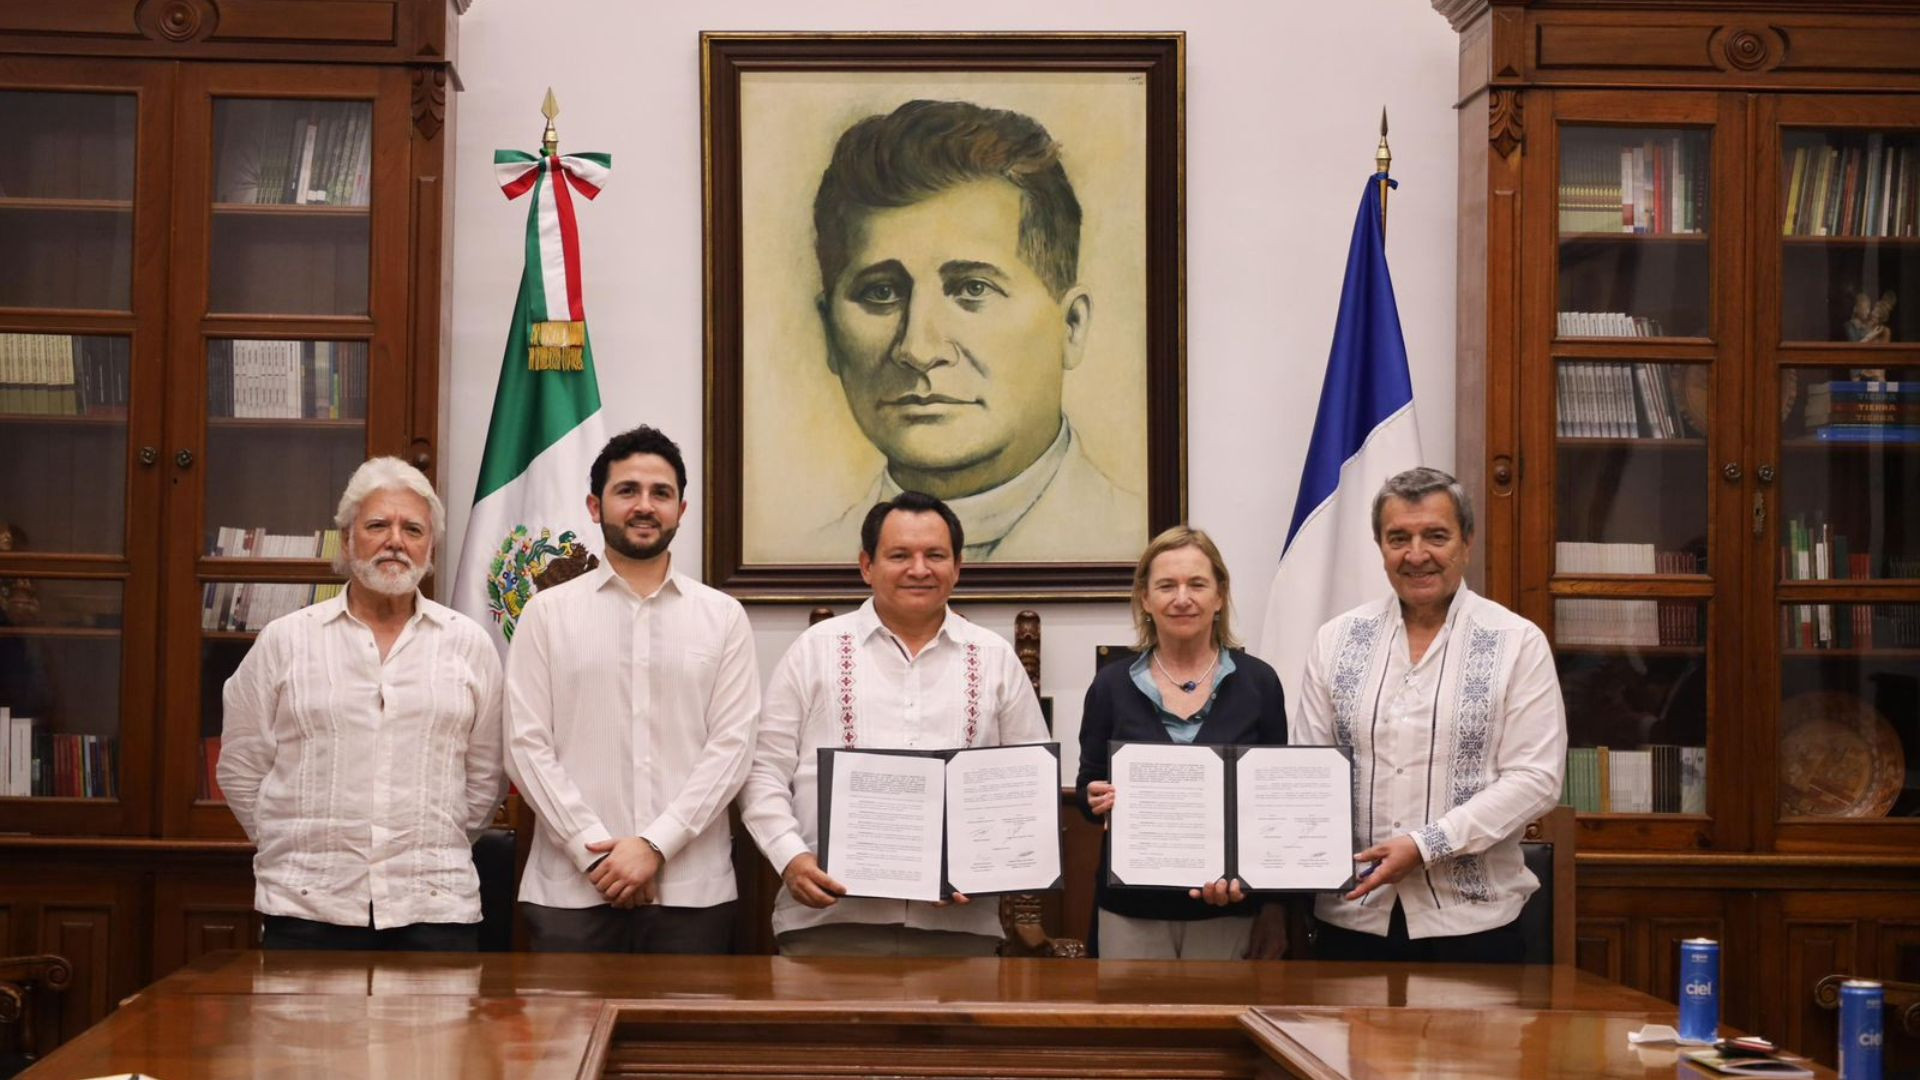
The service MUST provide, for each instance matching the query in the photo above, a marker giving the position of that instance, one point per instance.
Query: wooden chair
(1024, 917)
(1547, 920)
(30, 988)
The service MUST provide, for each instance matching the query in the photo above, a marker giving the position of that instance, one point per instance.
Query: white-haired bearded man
(362, 747)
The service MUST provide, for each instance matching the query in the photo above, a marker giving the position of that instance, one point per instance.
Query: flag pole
(1382, 162)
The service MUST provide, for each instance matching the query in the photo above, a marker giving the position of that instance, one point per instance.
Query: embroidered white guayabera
(1459, 751)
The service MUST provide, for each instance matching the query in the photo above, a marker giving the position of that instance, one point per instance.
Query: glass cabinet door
(292, 193)
(1842, 265)
(291, 234)
(78, 445)
(1634, 210)
(1633, 380)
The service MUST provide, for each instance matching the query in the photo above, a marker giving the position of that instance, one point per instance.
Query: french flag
(1364, 434)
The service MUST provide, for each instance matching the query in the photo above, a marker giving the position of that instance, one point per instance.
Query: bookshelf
(1689, 395)
(224, 289)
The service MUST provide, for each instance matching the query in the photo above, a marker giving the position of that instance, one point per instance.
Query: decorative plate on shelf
(1838, 757)
(1692, 387)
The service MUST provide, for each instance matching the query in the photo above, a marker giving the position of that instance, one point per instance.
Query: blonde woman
(1190, 683)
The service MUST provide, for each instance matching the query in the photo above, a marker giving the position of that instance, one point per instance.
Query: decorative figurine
(1870, 322)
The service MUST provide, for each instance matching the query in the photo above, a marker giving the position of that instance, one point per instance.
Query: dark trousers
(1500, 945)
(650, 928)
(287, 932)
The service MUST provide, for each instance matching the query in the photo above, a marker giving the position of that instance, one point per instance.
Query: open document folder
(925, 824)
(1279, 818)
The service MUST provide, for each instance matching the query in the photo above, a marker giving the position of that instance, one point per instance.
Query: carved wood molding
(1747, 48)
(429, 100)
(19, 973)
(1504, 129)
(1026, 644)
(1460, 13)
(177, 21)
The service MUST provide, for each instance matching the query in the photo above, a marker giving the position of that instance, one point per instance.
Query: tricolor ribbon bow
(558, 334)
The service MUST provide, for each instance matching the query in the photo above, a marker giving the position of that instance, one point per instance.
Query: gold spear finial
(550, 138)
(1382, 164)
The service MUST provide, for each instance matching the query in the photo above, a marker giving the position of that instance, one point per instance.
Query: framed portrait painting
(946, 263)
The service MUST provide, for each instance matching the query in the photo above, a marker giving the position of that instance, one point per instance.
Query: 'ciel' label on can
(1860, 1029)
(1699, 990)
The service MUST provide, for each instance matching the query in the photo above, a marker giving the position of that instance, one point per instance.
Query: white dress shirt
(631, 715)
(850, 682)
(364, 781)
(1459, 751)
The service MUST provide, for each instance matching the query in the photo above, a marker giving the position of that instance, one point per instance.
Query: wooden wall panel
(83, 934)
(1601, 947)
(310, 22)
(1636, 44)
(198, 913)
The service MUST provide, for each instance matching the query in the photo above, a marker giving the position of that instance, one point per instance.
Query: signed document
(922, 825)
(1278, 818)
(1295, 818)
(1169, 815)
(1003, 813)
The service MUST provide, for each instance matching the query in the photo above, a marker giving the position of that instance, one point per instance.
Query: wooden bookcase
(225, 285)
(1661, 413)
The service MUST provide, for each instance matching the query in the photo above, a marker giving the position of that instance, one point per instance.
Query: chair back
(1547, 920)
(493, 860)
(30, 992)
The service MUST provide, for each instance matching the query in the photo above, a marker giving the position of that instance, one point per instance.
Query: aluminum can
(1861, 1032)
(1699, 990)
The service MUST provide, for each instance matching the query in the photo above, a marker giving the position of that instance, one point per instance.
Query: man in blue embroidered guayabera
(1452, 707)
(902, 672)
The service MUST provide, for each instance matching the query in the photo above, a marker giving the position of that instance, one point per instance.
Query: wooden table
(1369, 1043)
(245, 1014)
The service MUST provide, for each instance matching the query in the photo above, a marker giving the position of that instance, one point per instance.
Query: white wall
(1283, 109)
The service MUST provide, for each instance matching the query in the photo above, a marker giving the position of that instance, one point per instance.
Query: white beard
(374, 576)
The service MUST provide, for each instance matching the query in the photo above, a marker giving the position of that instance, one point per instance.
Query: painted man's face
(948, 345)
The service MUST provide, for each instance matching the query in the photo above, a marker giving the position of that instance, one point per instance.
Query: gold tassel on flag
(557, 346)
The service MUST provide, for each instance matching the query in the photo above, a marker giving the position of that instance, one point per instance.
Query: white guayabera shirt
(1459, 751)
(361, 781)
(848, 682)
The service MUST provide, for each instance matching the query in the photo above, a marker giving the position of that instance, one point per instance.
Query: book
(210, 770)
(1278, 818)
(1872, 433)
(925, 824)
(18, 733)
(1786, 1068)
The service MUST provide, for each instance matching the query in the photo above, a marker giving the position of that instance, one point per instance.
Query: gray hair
(1416, 484)
(384, 474)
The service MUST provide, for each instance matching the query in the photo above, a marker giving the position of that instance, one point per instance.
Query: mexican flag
(529, 524)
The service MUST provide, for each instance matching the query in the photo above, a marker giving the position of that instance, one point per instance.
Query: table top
(252, 1013)
(1233, 983)
(1372, 1043)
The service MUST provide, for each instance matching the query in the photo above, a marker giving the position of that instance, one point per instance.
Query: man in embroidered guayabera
(902, 672)
(1452, 707)
(632, 696)
(361, 744)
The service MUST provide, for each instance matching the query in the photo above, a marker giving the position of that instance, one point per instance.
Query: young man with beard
(362, 742)
(632, 700)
